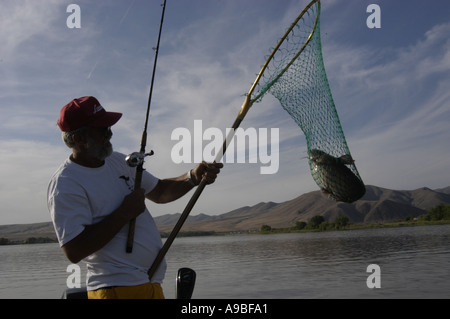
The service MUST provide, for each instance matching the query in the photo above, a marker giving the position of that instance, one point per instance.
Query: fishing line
(136, 159)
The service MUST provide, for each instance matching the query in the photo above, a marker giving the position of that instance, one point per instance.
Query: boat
(185, 282)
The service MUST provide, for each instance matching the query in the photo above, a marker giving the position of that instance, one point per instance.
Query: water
(413, 261)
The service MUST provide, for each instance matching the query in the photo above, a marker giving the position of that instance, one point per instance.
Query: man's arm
(94, 237)
(170, 189)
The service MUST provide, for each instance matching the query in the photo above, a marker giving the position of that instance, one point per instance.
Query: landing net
(296, 77)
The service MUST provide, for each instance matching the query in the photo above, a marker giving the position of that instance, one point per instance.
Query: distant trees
(318, 222)
(39, 240)
(300, 225)
(438, 212)
(315, 221)
(30, 240)
(342, 221)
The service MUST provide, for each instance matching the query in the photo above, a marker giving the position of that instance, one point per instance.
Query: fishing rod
(136, 159)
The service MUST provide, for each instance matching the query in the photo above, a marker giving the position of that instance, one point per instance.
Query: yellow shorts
(144, 291)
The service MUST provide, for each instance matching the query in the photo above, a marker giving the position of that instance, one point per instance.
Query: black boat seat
(75, 293)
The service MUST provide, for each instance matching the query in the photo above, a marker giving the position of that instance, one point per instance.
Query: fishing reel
(137, 158)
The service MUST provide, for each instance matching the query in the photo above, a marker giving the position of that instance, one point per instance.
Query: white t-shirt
(79, 196)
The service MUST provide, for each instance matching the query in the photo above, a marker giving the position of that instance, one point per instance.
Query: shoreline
(358, 227)
(47, 240)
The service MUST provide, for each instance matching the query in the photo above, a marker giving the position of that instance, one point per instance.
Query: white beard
(99, 151)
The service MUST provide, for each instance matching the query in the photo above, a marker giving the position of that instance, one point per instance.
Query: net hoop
(277, 47)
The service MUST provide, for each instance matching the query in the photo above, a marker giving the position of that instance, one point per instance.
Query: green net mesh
(296, 77)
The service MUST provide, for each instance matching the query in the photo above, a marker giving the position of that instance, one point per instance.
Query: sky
(391, 87)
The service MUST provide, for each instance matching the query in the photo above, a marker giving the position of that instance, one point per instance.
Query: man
(91, 199)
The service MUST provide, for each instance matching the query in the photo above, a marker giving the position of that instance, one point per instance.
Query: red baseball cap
(85, 111)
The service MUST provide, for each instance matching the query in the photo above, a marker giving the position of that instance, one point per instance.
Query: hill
(378, 205)
(21, 232)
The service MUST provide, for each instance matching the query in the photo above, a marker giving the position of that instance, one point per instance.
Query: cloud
(23, 20)
(26, 167)
(396, 109)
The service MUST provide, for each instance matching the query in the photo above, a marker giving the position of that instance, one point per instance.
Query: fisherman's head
(86, 127)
